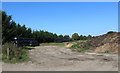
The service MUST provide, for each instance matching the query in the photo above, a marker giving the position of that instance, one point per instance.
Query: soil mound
(105, 43)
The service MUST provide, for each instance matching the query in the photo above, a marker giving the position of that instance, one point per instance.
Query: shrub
(74, 46)
(107, 51)
(80, 46)
(14, 53)
(85, 48)
(110, 32)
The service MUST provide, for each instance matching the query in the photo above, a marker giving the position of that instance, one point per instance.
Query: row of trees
(10, 29)
(75, 36)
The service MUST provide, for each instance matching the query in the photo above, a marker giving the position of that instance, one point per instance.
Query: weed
(107, 51)
(12, 53)
(79, 46)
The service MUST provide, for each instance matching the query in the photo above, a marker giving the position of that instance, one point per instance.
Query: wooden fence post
(8, 49)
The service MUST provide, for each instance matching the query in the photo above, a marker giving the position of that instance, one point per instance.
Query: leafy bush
(14, 53)
(110, 32)
(85, 48)
(107, 51)
(80, 46)
(74, 46)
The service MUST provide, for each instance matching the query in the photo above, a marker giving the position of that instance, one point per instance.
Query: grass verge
(52, 44)
(11, 53)
(24, 57)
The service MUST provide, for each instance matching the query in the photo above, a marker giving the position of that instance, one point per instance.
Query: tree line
(11, 29)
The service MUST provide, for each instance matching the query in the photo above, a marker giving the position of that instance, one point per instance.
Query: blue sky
(60, 0)
(85, 18)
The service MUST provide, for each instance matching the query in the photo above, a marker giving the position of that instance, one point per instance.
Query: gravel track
(57, 58)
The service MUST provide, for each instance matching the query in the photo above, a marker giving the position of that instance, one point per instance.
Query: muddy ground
(57, 58)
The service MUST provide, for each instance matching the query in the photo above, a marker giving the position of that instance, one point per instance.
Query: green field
(52, 44)
(30, 47)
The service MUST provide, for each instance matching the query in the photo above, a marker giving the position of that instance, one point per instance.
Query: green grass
(77, 46)
(30, 47)
(24, 57)
(107, 51)
(52, 44)
(14, 54)
(0, 58)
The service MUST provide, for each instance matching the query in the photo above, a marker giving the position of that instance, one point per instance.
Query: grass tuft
(16, 54)
(52, 44)
(80, 46)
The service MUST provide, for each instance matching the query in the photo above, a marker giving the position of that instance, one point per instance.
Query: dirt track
(56, 58)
